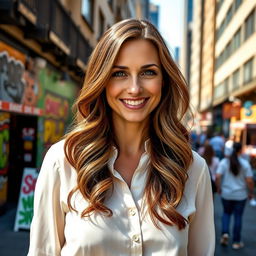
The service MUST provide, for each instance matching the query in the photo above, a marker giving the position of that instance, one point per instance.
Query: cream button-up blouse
(55, 230)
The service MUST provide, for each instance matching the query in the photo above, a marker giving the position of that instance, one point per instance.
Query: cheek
(111, 91)
(155, 88)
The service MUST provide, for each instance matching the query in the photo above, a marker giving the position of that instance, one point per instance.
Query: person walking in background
(212, 162)
(124, 180)
(218, 143)
(234, 180)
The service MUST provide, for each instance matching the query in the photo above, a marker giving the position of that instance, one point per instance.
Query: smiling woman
(134, 89)
(124, 180)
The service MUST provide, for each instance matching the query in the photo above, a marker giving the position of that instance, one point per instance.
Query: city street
(16, 243)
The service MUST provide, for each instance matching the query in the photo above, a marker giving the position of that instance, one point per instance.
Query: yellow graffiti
(4, 149)
(53, 130)
(4, 117)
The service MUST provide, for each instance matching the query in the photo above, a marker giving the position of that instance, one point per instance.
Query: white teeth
(134, 102)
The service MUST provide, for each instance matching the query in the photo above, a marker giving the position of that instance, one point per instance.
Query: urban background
(44, 48)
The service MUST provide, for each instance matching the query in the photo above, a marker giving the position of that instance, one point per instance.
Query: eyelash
(143, 73)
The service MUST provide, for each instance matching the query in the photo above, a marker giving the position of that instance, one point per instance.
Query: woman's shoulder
(198, 160)
(57, 149)
(198, 165)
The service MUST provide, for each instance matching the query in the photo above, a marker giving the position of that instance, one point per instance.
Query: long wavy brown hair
(88, 145)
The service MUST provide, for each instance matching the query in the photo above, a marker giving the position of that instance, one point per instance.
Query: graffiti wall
(31, 86)
(58, 96)
(19, 84)
(4, 154)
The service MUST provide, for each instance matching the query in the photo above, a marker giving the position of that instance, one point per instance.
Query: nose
(134, 86)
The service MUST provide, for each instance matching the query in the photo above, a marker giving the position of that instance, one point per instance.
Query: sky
(171, 21)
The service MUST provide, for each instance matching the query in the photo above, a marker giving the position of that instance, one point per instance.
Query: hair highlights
(88, 146)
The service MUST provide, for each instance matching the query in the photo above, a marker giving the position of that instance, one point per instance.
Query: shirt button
(132, 212)
(136, 238)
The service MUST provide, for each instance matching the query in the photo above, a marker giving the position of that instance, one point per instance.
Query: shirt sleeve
(221, 167)
(47, 227)
(248, 170)
(201, 240)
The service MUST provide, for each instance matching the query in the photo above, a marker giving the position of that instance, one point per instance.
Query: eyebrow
(144, 66)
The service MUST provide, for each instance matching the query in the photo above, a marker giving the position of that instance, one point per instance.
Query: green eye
(148, 73)
(118, 74)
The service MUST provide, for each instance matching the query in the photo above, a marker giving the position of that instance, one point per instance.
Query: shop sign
(24, 212)
(19, 108)
(231, 110)
(206, 119)
(248, 112)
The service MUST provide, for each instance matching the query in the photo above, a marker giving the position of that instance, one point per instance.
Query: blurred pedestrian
(212, 162)
(234, 180)
(218, 143)
(125, 181)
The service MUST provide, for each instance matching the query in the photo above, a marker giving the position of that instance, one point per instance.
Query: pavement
(16, 243)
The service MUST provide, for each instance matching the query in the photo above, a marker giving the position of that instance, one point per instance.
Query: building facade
(44, 48)
(222, 71)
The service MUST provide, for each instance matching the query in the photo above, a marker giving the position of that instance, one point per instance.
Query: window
(219, 4)
(249, 25)
(229, 16)
(87, 11)
(236, 41)
(237, 4)
(221, 89)
(235, 79)
(228, 50)
(248, 68)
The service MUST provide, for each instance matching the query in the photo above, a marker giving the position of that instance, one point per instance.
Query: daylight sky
(171, 21)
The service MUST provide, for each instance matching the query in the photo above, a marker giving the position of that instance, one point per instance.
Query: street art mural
(18, 77)
(4, 154)
(57, 98)
(31, 86)
(56, 113)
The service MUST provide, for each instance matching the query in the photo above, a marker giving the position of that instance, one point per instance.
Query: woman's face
(134, 89)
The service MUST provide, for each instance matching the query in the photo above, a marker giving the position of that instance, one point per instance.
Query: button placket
(134, 221)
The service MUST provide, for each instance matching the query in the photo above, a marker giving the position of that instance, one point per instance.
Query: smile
(134, 104)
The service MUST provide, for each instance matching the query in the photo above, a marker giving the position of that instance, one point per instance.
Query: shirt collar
(142, 163)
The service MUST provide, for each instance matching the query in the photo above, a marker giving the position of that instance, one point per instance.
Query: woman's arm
(201, 239)
(250, 186)
(218, 182)
(47, 228)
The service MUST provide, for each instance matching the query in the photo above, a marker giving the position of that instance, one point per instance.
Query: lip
(134, 107)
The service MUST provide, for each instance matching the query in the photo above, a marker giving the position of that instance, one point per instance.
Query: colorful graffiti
(11, 84)
(4, 154)
(24, 212)
(18, 77)
(4, 142)
(56, 114)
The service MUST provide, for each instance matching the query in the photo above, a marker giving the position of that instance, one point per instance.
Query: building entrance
(22, 143)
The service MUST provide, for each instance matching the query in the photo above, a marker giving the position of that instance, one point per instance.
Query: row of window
(248, 29)
(87, 10)
(230, 13)
(235, 80)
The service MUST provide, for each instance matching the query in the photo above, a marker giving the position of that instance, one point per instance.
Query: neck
(130, 137)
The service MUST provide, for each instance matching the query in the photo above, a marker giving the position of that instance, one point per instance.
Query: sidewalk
(12, 243)
(16, 243)
(248, 231)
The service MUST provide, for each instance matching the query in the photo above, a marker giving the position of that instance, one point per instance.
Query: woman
(212, 162)
(234, 176)
(124, 181)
